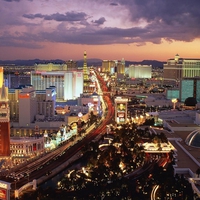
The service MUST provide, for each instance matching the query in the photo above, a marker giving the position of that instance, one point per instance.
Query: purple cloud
(100, 21)
(166, 19)
(69, 16)
(113, 4)
(11, 0)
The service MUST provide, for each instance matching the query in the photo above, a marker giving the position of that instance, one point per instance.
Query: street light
(79, 121)
(174, 101)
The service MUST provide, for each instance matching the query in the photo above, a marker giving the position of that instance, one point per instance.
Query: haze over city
(131, 29)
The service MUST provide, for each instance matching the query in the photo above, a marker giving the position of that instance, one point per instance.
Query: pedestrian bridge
(32, 184)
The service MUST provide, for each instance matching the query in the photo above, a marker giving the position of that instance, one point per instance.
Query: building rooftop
(193, 139)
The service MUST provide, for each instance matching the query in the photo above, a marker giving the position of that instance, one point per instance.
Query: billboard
(5, 190)
(3, 194)
(121, 107)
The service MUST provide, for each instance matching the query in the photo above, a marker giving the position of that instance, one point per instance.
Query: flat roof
(173, 123)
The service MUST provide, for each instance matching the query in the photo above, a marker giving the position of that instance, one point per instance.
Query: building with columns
(178, 68)
(139, 71)
(23, 148)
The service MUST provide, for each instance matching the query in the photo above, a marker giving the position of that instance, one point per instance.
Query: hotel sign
(3, 185)
(24, 96)
(3, 194)
(4, 190)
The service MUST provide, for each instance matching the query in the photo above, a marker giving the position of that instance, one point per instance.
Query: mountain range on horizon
(95, 62)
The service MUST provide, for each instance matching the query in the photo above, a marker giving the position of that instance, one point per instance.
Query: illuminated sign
(95, 99)
(121, 107)
(3, 185)
(120, 115)
(23, 96)
(3, 194)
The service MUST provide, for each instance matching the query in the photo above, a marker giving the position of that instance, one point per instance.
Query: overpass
(32, 184)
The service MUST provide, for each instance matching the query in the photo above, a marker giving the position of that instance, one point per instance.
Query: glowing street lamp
(80, 115)
(174, 101)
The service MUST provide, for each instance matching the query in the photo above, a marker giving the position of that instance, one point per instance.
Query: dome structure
(193, 139)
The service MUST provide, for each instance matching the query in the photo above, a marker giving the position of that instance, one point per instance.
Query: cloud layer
(88, 22)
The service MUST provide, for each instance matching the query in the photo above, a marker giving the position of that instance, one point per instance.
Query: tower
(86, 80)
(85, 69)
(4, 120)
(1, 77)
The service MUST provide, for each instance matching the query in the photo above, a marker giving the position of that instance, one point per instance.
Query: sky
(135, 30)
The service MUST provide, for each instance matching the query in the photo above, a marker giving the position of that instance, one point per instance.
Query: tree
(198, 172)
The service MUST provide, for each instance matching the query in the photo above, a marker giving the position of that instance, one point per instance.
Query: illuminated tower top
(1, 77)
(85, 69)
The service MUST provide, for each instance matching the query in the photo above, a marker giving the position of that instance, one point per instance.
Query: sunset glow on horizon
(133, 30)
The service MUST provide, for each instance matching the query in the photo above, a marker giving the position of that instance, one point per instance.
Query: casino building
(140, 71)
(178, 68)
(69, 84)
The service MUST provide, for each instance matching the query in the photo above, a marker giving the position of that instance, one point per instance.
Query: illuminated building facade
(121, 66)
(50, 67)
(108, 66)
(23, 148)
(4, 119)
(190, 87)
(92, 101)
(69, 84)
(140, 71)
(178, 68)
(113, 66)
(121, 110)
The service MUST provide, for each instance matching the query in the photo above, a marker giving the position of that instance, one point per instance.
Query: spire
(4, 94)
(85, 69)
(1, 76)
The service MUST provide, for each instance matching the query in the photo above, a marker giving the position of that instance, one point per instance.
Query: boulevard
(49, 164)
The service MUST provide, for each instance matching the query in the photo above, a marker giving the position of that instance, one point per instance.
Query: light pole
(174, 101)
(79, 121)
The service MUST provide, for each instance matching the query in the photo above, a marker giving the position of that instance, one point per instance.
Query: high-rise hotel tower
(4, 118)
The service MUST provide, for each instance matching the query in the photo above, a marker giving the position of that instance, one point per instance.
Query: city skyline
(133, 30)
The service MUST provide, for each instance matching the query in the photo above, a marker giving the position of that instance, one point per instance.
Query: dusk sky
(131, 29)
